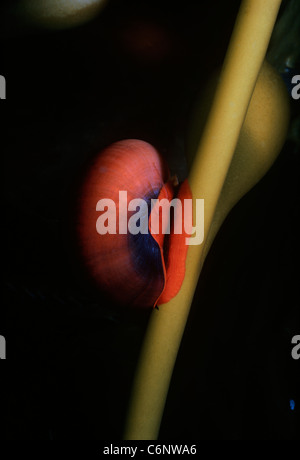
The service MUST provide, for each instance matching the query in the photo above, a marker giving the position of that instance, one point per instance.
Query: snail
(141, 268)
(148, 269)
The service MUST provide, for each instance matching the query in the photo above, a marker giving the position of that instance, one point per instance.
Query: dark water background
(72, 354)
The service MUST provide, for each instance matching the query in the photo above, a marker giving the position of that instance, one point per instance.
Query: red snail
(135, 268)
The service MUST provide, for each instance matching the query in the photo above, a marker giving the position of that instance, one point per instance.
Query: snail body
(135, 268)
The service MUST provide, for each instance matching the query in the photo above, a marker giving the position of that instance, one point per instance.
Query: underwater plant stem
(244, 57)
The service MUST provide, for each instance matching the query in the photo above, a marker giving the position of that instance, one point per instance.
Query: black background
(72, 354)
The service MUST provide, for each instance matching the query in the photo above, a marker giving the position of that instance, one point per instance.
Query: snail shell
(135, 269)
